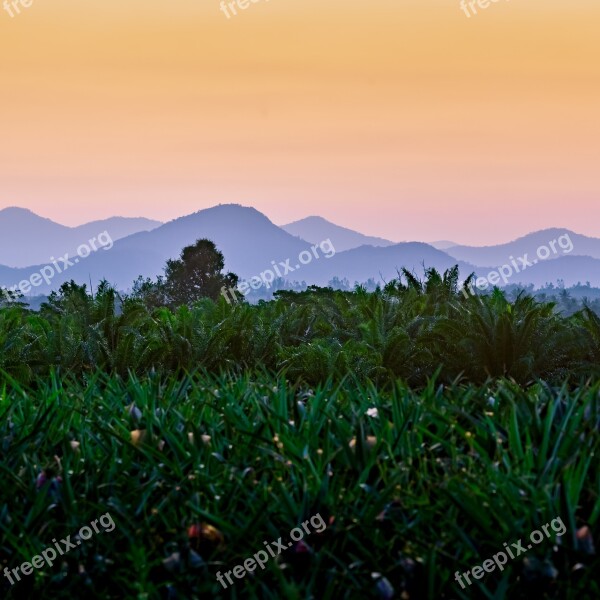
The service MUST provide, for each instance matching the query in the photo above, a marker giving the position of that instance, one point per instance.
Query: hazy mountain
(571, 270)
(252, 244)
(317, 229)
(442, 244)
(27, 238)
(117, 227)
(529, 244)
(382, 264)
(246, 237)
(360, 264)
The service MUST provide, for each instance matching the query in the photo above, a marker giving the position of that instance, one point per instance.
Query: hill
(317, 229)
(28, 239)
(574, 245)
(252, 244)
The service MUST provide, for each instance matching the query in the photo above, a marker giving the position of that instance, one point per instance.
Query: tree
(197, 274)
(152, 294)
(9, 296)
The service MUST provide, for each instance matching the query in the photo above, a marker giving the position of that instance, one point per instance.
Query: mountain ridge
(27, 238)
(252, 244)
(315, 229)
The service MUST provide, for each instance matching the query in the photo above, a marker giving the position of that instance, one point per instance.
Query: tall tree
(198, 273)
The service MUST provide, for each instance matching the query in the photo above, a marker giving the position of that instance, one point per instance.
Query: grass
(435, 482)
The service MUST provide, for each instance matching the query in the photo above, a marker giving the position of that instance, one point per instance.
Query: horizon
(281, 225)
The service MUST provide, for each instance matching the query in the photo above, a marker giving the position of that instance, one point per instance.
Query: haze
(404, 120)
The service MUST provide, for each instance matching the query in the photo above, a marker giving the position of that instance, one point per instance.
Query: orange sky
(401, 118)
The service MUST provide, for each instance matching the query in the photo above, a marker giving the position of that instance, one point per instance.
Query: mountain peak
(313, 219)
(16, 211)
(315, 229)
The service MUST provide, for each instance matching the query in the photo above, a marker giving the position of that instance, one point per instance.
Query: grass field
(199, 471)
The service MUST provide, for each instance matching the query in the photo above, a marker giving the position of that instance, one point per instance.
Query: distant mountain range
(252, 244)
(317, 229)
(28, 239)
(529, 244)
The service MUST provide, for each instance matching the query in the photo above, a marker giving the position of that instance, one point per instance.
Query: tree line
(409, 329)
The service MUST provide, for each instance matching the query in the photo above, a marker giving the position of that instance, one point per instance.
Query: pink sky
(405, 120)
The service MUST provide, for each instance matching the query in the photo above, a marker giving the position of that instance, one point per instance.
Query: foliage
(427, 426)
(409, 330)
(196, 274)
(426, 484)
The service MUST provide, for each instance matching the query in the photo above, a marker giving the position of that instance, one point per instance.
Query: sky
(404, 119)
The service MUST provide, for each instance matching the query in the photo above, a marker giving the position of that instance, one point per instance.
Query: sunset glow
(406, 120)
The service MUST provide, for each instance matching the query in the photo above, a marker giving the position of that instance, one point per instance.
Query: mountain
(117, 227)
(381, 264)
(442, 244)
(574, 245)
(317, 229)
(27, 238)
(247, 238)
(572, 270)
(252, 244)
